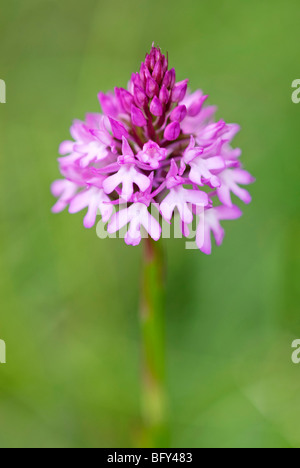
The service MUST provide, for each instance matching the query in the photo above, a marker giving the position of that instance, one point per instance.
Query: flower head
(154, 144)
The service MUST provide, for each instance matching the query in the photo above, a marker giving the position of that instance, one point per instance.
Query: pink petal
(113, 181)
(225, 212)
(243, 177)
(118, 129)
(153, 227)
(119, 220)
(224, 195)
(80, 202)
(66, 147)
(142, 181)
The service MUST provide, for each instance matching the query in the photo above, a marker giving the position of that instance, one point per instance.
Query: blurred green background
(69, 300)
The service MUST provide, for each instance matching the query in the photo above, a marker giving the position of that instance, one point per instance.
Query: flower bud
(164, 95)
(156, 107)
(118, 129)
(139, 96)
(144, 73)
(179, 91)
(178, 114)
(151, 87)
(172, 131)
(196, 105)
(108, 104)
(157, 73)
(137, 116)
(169, 78)
(136, 79)
(125, 98)
(147, 60)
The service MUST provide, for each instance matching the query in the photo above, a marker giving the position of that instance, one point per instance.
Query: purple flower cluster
(155, 144)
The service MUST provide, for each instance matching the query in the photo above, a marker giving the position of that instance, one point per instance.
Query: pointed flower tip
(125, 98)
(164, 95)
(169, 78)
(126, 148)
(137, 116)
(139, 96)
(108, 104)
(152, 88)
(118, 129)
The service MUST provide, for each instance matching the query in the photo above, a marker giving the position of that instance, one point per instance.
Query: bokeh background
(69, 300)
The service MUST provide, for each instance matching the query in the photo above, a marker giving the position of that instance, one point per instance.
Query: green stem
(152, 318)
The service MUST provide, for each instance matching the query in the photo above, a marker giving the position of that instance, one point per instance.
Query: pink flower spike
(155, 144)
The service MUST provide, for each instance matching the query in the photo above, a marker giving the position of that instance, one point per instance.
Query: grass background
(69, 300)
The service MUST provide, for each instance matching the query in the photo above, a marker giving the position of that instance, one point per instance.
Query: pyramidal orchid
(155, 143)
(155, 146)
